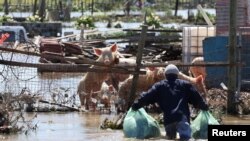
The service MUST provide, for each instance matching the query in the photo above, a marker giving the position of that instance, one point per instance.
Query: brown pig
(91, 83)
(195, 71)
(115, 78)
(153, 75)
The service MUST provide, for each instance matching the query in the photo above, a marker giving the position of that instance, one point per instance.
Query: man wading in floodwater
(173, 96)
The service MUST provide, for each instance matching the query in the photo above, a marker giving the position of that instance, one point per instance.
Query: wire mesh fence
(51, 86)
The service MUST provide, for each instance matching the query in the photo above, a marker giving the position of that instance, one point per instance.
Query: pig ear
(113, 48)
(97, 51)
(151, 68)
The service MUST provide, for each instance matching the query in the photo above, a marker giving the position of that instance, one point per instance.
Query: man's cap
(171, 69)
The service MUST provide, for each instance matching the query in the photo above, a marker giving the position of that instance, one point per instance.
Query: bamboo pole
(138, 62)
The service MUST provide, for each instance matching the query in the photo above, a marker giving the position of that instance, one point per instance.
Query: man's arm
(195, 98)
(146, 98)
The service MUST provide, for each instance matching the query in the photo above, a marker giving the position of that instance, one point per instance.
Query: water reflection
(75, 126)
(67, 127)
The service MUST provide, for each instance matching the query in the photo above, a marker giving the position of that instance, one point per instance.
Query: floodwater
(77, 126)
(181, 12)
(72, 126)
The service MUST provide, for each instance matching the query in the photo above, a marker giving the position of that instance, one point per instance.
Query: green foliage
(34, 18)
(199, 18)
(6, 18)
(85, 22)
(153, 20)
(77, 8)
(110, 124)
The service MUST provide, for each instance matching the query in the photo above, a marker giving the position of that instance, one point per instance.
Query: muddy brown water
(76, 126)
(72, 126)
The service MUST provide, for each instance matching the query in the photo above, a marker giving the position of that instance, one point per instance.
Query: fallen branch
(61, 105)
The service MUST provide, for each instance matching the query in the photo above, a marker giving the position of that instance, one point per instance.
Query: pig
(198, 82)
(152, 76)
(91, 83)
(106, 92)
(144, 82)
(115, 78)
(195, 71)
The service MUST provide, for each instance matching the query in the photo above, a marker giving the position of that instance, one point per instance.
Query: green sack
(200, 124)
(138, 124)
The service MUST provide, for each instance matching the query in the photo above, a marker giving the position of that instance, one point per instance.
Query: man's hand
(205, 108)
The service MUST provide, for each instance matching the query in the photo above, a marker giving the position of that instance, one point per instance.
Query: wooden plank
(204, 15)
(19, 51)
(69, 67)
(152, 30)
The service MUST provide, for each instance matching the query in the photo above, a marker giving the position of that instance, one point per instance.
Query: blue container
(215, 49)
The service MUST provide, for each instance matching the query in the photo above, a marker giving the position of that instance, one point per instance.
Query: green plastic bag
(200, 124)
(138, 124)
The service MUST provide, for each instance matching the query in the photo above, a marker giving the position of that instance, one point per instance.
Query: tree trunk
(6, 7)
(41, 12)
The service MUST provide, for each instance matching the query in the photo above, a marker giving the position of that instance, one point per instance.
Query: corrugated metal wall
(215, 49)
(222, 15)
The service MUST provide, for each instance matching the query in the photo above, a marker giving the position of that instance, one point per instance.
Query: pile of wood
(158, 47)
(60, 50)
(51, 47)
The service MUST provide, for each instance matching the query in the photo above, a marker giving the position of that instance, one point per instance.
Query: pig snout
(106, 62)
